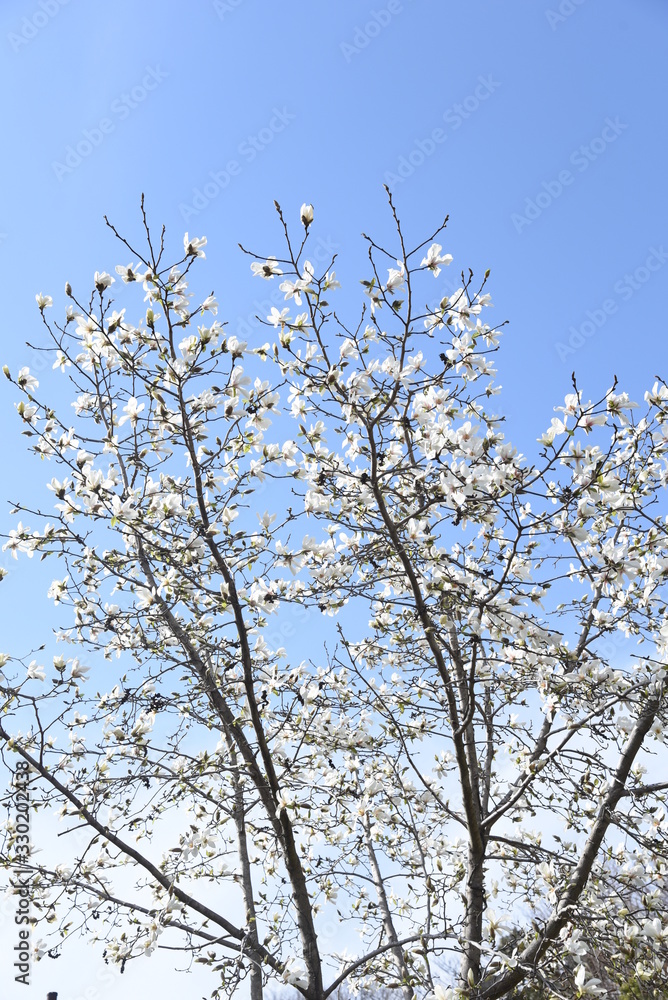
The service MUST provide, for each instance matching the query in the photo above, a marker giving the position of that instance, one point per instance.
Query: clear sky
(540, 127)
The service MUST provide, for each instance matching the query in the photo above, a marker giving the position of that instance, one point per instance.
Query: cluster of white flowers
(200, 502)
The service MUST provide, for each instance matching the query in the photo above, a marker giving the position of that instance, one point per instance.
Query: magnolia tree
(619, 966)
(470, 743)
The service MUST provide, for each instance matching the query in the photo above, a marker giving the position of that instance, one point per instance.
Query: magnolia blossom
(236, 347)
(348, 349)
(102, 280)
(359, 649)
(266, 270)
(16, 541)
(306, 215)
(129, 272)
(58, 590)
(143, 725)
(278, 317)
(43, 301)
(330, 282)
(443, 992)
(396, 277)
(586, 987)
(590, 420)
(293, 289)
(78, 671)
(193, 247)
(145, 597)
(131, 411)
(435, 258)
(26, 381)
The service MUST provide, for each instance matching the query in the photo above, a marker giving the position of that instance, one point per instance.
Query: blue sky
(539, 127)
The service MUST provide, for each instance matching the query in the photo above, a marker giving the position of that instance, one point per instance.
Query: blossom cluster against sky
(539, 128)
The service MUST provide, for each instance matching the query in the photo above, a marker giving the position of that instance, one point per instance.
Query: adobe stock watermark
(32, 24)
(21, 875)
(105, 976)
(247, 151)
(454, 117)
(624, 289)
(223, 7)
(365, 33)
(564, 10)
(581, 158)
(120, 109)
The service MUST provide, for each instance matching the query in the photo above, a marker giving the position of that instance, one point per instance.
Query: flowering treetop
(479, 724)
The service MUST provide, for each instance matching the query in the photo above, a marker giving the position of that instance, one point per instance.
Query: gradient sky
(539, 127)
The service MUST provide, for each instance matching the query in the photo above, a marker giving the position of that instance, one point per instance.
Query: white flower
(586, 987)
(209, 305)
(16, 542)
(144, 724)
(26, 381)
(330, 281)
(571, 404)
(266, 519)
(435, 258)
(284, 801)
(58, 590)
(277, 318)
(589, 420)
(266, 270)
(498, 923)
(145, 598)
(557, 427)
(658, 395)
(28, 413)
(43, 301)
(128, 273)
(396, 277)
(236, 347)
(348, 349)
(306, 215)
(293, 289)
(78, 671)
(102, 280)
(35, 672)
(228, 515)
(288, 452)
(546, 870)
(654, 929)
(237, 381)
(40, 949)
(132, 409)
(190, 345)
(61, 362)
(192, 247)
(573, 942)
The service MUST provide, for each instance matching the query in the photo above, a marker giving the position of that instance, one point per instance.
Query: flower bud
(68, 289)
(6, 372)
(306, 215)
